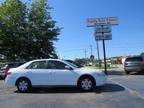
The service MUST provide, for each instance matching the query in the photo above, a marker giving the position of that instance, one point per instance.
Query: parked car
(134, 64)
(53, 72)
(2, 74)
(6, 66)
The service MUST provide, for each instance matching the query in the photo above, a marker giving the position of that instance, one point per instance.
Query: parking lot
(121, 91)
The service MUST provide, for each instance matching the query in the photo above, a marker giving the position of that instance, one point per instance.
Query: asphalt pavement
(121, 91)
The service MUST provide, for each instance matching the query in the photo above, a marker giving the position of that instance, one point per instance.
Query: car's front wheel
(127, 72)
(86, 83)
(23, 85)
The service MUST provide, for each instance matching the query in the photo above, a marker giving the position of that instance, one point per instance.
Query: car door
(60, 74)
(38, 73)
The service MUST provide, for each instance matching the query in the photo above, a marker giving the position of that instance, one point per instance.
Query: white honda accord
(53, 72)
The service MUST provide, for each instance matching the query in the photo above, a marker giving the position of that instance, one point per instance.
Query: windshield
(72, 64)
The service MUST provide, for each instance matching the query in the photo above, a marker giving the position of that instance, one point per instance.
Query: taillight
(8, 73)
(142, 62)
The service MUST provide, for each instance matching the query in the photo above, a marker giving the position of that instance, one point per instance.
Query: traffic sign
(102, 21)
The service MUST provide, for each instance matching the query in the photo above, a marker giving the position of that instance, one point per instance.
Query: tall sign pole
(98, 53)
(103, 31)
(104, 52)
(104, 56)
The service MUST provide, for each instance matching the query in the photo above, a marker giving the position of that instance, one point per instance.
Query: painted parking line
(132, 92)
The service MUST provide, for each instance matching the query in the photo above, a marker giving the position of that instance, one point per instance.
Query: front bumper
(101, 80)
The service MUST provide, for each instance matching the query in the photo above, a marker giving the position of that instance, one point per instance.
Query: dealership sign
(101, 36)
(103, 29)
(103, 33)
(102, 21)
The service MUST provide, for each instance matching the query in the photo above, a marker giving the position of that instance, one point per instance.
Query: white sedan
(53, 72)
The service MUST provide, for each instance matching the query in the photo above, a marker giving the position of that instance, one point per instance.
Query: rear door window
(37, 65)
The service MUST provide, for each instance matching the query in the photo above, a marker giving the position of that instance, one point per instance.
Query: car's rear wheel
(86, 83)
(23, 85)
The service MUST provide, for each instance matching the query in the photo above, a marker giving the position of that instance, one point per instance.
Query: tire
(23, 85)
(86, 83)
(127, 72)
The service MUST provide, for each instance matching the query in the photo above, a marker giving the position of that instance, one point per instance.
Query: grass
(102, 66)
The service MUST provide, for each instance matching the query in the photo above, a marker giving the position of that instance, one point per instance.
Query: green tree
(12, 19)
(81, 61)
(27, 33)
(42, 30)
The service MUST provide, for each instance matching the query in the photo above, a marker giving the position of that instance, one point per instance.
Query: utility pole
(85, 52)
(91, 50)
(97, 44)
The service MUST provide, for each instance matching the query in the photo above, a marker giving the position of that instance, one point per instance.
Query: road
(121, 91)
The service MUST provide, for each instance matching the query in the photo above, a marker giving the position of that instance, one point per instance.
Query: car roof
(134, 57)
(28, 63)
(48, 59)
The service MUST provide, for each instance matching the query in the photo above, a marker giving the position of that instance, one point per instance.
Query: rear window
(134, 59)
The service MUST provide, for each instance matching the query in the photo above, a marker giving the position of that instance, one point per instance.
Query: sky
(75, 38)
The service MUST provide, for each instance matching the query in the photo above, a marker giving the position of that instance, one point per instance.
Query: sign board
(103, 29)
(101, 36)
(102, 21)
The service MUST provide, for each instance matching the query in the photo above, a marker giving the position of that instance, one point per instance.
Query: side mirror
(68, 68)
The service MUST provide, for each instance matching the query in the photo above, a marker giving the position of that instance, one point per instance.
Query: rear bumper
(10, 81)
(134, 68)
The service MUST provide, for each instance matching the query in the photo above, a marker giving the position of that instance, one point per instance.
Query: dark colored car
(134, 64)
(6, 66)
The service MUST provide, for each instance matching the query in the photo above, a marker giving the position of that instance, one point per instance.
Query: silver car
(134, 64)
